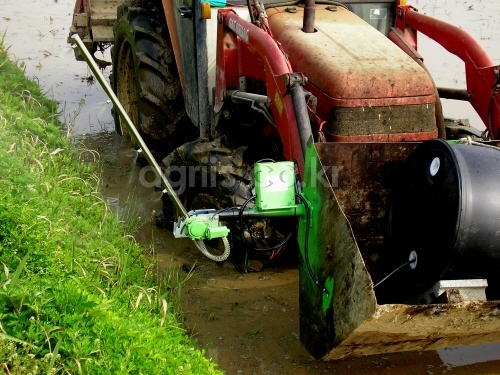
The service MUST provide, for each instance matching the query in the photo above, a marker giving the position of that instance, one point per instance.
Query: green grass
(77, 293)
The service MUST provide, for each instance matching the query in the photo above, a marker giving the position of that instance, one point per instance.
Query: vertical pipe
(302, 116)
(309, 15)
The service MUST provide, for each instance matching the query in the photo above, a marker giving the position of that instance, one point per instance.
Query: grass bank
(77, 295)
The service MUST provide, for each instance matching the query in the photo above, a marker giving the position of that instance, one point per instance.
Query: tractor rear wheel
(145, 77)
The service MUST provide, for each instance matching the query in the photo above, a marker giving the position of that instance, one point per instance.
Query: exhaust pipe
(309, 15)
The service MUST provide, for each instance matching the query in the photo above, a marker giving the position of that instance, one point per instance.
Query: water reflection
(36, 36)
(461, 356)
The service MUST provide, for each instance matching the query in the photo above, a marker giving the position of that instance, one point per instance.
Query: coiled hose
(216, 258)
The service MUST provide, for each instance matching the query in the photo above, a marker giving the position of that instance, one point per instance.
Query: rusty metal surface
(407, 123)
(358, 50)
(362, 176)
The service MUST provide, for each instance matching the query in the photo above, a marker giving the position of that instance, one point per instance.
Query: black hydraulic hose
(302, 116)
(306, 138)
(455, 94)
(440, 125)
(306, 246)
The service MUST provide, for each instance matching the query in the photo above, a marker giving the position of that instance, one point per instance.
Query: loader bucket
(348, 187)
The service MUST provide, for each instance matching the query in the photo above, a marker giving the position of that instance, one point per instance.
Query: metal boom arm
(483, 78)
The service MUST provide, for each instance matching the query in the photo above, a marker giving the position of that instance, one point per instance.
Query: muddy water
(247, 322)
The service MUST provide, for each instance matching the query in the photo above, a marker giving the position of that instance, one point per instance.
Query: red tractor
(317, 126)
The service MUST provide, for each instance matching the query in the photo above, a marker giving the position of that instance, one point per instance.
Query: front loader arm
(246, 50)
(482, 76)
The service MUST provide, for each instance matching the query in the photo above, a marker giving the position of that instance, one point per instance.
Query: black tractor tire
(145, 78)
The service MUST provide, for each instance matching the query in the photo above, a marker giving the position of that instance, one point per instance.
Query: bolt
(329, 251)
(332, 8)
(226, 114)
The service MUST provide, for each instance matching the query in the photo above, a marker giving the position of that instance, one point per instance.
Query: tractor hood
(348, 59)
(367, 89)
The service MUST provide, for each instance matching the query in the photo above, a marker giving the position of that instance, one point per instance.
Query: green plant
(78, 295)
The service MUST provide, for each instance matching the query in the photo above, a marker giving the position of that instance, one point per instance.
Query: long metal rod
(457, 94)
(130, 125)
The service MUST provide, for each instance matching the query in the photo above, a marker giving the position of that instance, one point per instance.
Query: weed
(255, 333)
(4, 59)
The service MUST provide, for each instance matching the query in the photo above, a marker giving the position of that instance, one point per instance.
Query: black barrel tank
(446, 208)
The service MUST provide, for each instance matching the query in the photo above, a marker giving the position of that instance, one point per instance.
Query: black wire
(264, 159)
(306, 246)
(240, 217)
(222, 210)
(253, 165)
(393, 272)
(306, 240)
(242, 234)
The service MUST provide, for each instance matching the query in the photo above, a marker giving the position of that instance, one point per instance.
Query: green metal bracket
(200, 225)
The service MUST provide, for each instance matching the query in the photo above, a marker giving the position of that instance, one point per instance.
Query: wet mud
(248, 323)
